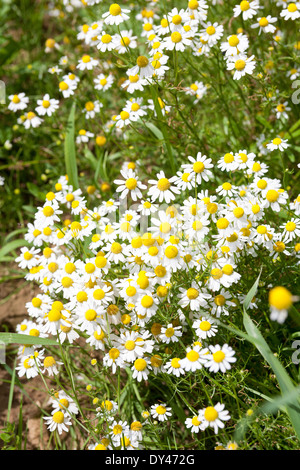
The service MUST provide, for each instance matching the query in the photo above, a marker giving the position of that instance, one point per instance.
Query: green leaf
(251, 293)
(70, 149)
(284, 380)
(11, 246)
(158, 134)
(15, 338)
(35, 191)
(270, 406)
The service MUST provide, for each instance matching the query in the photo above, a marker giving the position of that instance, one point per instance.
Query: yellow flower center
(129, 345)
(210, 30)
(115, 9)
(142, 61)
(195, 421)
(169, 332)
(58, 417)
(290, 226)
(176, 19)
(280, 298)
(244, 5)
(171, 252)
(192, 356)
(233, 41)
(147, 301)
(222, 223)
(16, 99)
(140, 364)
(240, 64)
(263, 22)
(219, 300)
(116, 248)
(161, 410)
(192, 293)
(211, 413)
(125, 41)
(48, 211)
(163, 184)
(124, 115)
(205, 325)
(86, 58)
(272, 195)
(198, 167)
(176, 37)
(90, 315)
(292, 7)
(218, 356)
(49, 361)
(228, 158)
(131, 183)
(216, 273)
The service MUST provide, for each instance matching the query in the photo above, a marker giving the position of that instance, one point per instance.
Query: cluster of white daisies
(179, 30)
(144, 276)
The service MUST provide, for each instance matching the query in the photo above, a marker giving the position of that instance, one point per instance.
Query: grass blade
(15, 338)
(70, 149)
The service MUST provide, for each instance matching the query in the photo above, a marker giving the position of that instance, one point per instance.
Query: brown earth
(27, 399)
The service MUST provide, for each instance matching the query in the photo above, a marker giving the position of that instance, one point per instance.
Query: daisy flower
(141, 369)
(195, 358)
(143, 67)
(278, 143)
(84, 136)
(106, 42)
(47, 106)
(177, 41)
(193, 297)
(241, 64)
(199, 167)
(280, 301)
(246, 9)
(67, 89)
(28, 366)
(87, 63)
(162, 188)
(281, 110)
(103, 82)
(91, 108)
(116, 15)
(170, 334)
(125, 40)
(50, 365)
(31, 120)
(62, 401)
(235, 44)
(176, 18)
(58, 421)
(194, 424)
(265, 24)
(27, 258)
(18, 102)
(135, 107)
(205, 327)
(212, 33)
(220, 358)
(291, 230)
(227, 163)
(213, 416)
(292, 12)
(161, 412)
(173, 367)
(134, 82)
